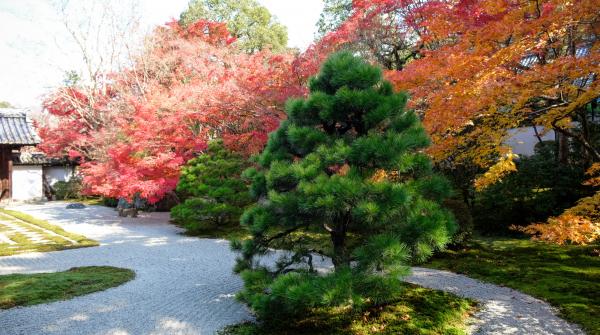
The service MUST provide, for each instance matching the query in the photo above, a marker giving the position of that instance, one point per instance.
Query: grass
(24, 244)
(90, 201)
(567, 277)
(31, 289)
(417, 311)
(226, 232)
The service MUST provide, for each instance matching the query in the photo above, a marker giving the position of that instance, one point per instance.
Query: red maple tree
(188, 86)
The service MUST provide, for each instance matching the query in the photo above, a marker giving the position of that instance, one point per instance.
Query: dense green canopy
(334, 13)
(252, 24)
(212, 191)
(347, 164)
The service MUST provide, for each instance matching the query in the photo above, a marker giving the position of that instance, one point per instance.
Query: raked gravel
(185, 285)
(502, 309)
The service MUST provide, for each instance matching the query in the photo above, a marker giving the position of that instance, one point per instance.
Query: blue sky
(36, 50)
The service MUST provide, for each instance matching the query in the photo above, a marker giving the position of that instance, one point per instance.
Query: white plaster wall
(57, 173)
(27, 182)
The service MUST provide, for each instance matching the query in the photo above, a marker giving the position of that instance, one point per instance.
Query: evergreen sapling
(348, 164)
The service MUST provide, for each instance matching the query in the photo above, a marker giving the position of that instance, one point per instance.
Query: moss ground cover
(416, 311)
(24, 233)
(31, 289)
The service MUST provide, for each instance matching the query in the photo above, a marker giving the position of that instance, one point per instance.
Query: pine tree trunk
(340, 257)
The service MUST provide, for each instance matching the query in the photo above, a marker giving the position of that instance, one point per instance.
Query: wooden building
(16, 131)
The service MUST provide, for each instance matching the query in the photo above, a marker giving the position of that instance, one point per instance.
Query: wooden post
(10, 169)
(4, 192)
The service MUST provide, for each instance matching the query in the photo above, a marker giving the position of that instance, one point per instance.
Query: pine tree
(347, 164)
(214, 193)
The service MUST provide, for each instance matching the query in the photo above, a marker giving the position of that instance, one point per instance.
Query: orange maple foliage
(564, 229)
(579, 224)
(503, 64)
(503, 167)
(478, 68)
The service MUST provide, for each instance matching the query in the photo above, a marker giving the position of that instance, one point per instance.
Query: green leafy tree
(334, 13)
(6, 104)
(252, 24)
(214, 193)
(346, 164)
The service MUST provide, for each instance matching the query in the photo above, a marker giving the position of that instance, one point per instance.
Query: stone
(75, 205)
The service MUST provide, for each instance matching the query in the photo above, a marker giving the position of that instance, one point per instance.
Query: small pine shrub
(212, 190)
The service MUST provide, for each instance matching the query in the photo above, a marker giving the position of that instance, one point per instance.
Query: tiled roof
(16, 128)
(580, 51)
(30, 158)
(531, 59)
(38, 158)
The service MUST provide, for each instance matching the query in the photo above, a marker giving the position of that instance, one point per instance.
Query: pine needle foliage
(347, 163)
(214, 192)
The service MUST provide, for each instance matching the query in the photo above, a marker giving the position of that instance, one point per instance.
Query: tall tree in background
(501, 65)
(383, 31)
(189, 85)
(477, 69)
(334, 13)
(470, 62)
(252, 24)
(106, 36)
(346, 163)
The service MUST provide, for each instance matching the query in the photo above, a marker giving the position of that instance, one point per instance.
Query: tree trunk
(563, 149)
(594, 153)
(340, 253)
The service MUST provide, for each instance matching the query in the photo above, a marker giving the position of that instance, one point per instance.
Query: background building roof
(16, 128)
(38, 158)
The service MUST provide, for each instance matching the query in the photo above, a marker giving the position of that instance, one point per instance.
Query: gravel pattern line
(185, 285)
(502, 309)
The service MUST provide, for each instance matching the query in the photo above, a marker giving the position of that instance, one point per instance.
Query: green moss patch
(417, 311)
(32, 289)
(55, 238)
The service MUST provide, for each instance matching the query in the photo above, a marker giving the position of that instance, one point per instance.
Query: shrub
(579, 224)
(347, 164)
(212, 190)
(110, 202)
(68, 190)
(589, 207)
(462, 214)
(540, 188)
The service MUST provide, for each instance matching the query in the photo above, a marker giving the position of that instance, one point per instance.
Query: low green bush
(212, 190)
(464, 219)
(71, 189)
(110, 202)
(540, 188)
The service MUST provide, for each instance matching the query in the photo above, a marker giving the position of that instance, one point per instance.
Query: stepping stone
(76, 205)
